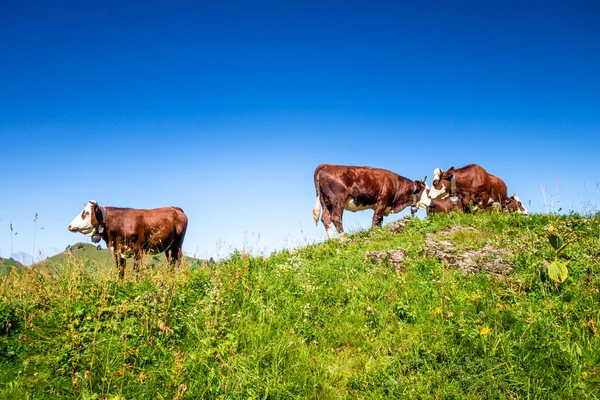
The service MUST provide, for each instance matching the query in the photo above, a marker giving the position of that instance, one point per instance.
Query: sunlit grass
(317, 322)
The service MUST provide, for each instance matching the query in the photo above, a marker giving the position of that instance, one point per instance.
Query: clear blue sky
(225, 108)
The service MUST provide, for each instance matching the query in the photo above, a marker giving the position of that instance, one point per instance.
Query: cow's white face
(521, 208)
(82, 223)
(438, 193)
(425, 200)
(441, 192)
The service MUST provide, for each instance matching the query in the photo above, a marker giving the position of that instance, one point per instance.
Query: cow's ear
(424, 180)
(448, 174)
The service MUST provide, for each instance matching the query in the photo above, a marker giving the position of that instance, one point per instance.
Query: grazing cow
(128, 231)
(340, 188)
(439, 205)
(513, 204)
(470, 182)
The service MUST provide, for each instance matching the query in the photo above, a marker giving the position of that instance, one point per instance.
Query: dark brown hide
(499, 192)
(445, 206)
(340, 187)
(472, 184)
(133, 232)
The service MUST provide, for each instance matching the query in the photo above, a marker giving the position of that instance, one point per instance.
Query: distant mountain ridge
(103, 257)
(6, 264)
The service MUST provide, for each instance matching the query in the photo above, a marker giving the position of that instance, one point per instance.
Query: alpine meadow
(454, 306)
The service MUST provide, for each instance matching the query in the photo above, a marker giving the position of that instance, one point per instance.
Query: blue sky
(225, 108)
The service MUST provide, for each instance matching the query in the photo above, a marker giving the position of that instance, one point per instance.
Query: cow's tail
(317, 209)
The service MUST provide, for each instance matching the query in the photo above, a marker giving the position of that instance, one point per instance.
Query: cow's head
(418, 189)
(424, 200)
(513, 204)
(88, 220)
(441, 183)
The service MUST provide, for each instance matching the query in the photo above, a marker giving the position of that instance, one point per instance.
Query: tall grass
(319, 322)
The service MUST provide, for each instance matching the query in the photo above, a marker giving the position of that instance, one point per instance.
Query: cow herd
(131, 232)
(467, 189)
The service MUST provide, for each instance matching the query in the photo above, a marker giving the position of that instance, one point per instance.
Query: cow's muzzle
(432, 204)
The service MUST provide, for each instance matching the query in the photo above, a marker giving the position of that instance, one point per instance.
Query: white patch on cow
(438, 194)
(437, 173)
(330, 233)
(351, 206)
(425, 200)
(82, 223)
(521, 208)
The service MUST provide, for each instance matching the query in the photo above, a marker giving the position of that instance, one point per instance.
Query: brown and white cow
(513, 204)
(499, 192)
(439, 205)
(472, 183)
(340, 187)
(132, 232)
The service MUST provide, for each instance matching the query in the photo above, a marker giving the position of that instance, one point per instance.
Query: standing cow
(132, 232)
(340, 188)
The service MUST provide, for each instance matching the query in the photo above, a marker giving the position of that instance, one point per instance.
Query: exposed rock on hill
(394, 257)
(488, 259)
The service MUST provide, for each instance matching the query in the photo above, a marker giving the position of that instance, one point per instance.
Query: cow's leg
(326, 220)
(336, 218)
(485, 198)
(138, 254)
(121, 262)
(378, 216)
(174, 253)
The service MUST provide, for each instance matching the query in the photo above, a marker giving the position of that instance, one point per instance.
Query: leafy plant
(557, 268)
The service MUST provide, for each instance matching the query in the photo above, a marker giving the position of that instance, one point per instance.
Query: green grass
(319, 322)
(8, 264)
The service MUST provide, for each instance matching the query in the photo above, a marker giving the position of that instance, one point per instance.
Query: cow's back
(363, 184)
(473, 178)
(153, 229)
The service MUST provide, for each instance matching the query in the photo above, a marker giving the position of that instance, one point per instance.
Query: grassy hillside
(8, 264)
(455, 306)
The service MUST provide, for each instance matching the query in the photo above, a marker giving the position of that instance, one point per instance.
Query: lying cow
(128, 231)
(472, 183)
(513, 204)
(340, 188)
(440, 205)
